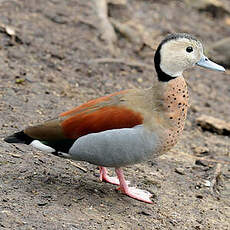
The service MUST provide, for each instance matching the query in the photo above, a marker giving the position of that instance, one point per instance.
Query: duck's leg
(104, 176)
(133, 192)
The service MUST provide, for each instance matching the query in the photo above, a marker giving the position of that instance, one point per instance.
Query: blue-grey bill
(206, 63)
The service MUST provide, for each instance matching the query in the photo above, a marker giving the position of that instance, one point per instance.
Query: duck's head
(178, 52)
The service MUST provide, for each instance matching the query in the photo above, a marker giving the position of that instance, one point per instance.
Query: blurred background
(57, 54)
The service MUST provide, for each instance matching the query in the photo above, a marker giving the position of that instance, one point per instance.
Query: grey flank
(116, 147)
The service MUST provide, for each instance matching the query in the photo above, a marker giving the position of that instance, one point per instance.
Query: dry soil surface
(49, 67)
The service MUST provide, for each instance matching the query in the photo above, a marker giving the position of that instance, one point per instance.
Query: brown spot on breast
(176, 103)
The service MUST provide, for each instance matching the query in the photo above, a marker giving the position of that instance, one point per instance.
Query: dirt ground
(50, 67)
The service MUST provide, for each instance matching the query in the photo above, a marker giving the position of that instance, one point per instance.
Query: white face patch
(174, 57)
(37, 144)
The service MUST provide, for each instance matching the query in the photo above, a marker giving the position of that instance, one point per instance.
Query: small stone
(42, 204)
(10, 30)
(214, 125)
(200, 150)
(199, 196)
(200, 162)
(207, 183)
(140, 80)
(180, 171)
(145, 213)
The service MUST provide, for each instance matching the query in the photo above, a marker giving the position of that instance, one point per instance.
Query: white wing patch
(37, 144)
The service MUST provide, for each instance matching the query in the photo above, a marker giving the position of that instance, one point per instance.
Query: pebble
(200, 150)
(180, 171)
(214, 125)
(207, 183)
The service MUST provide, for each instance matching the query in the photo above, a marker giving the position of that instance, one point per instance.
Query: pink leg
(135, 193)
(104, 176)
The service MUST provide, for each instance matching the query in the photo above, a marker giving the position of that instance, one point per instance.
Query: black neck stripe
(162, 76)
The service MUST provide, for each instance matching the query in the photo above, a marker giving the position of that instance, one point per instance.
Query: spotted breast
(176, 101)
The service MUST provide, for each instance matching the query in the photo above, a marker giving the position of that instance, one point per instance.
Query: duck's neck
(176, 100)
(176, 97)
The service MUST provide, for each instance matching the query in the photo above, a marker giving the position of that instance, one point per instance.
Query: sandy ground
(48, 69)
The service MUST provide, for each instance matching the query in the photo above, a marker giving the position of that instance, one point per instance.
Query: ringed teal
(129, 126)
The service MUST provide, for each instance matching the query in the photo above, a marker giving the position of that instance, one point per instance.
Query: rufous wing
(105, 113)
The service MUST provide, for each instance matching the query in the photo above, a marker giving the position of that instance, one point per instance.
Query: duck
(129, 126)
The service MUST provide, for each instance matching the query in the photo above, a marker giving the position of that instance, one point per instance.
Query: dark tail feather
(19, 137)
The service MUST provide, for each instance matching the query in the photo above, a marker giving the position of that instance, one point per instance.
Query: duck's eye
(189, 49)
